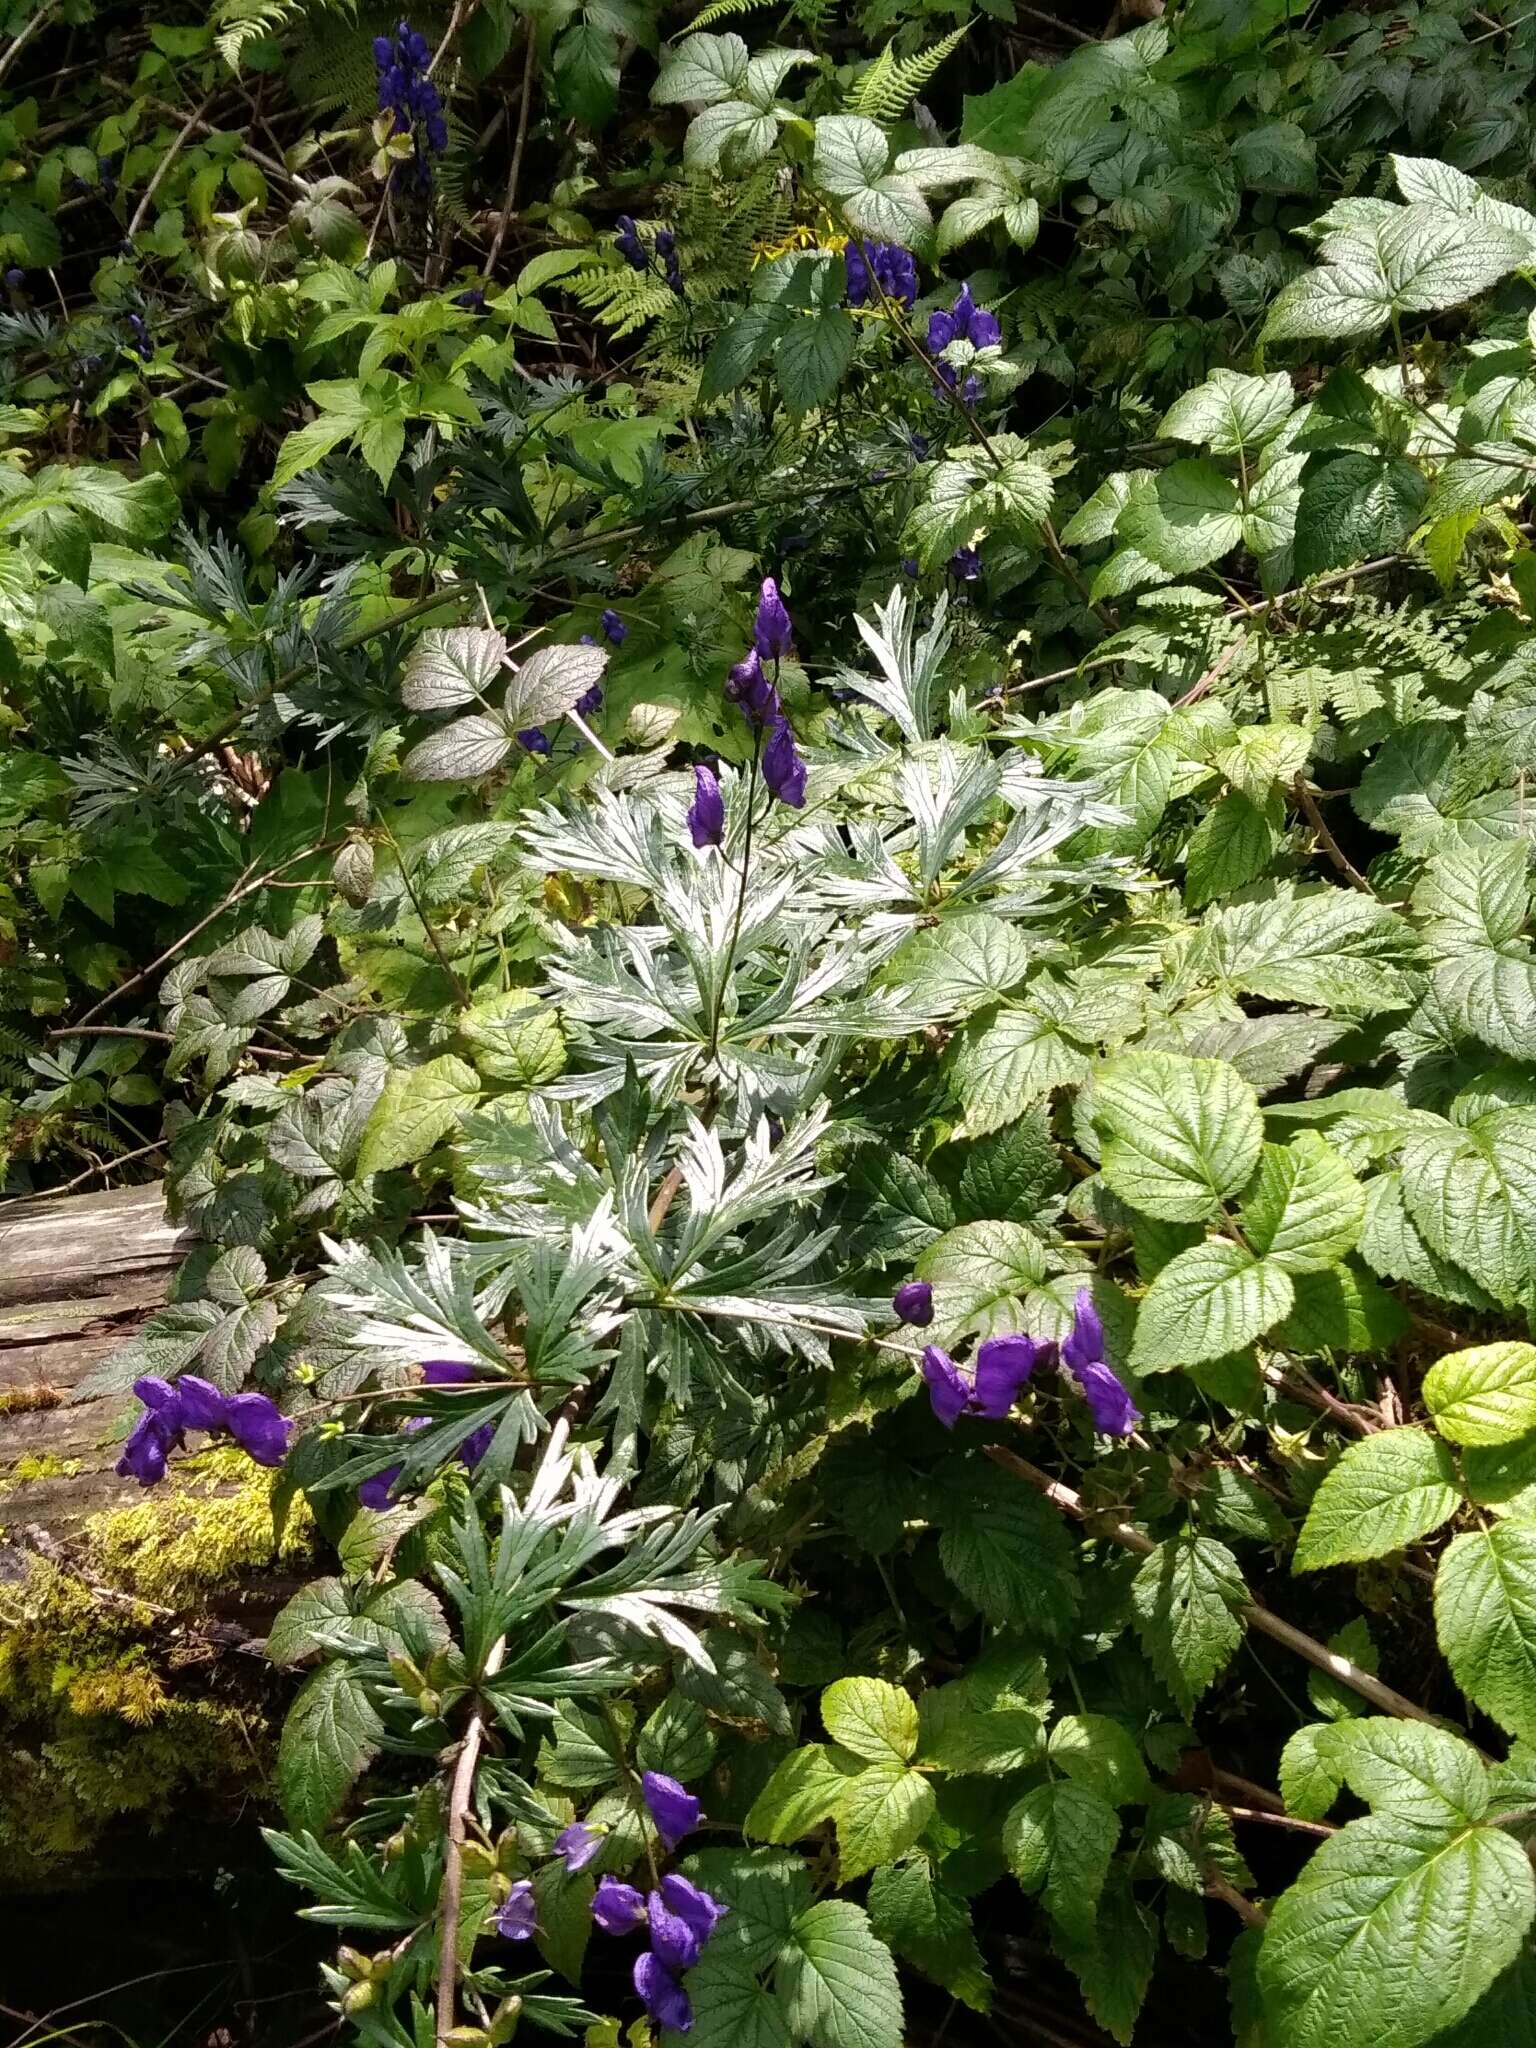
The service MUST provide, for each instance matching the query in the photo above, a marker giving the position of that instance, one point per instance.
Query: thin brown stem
(1326, 840)
(164, 165)
(39, 20)
(509, 203)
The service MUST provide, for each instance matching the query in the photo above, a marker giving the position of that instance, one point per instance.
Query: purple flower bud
(518, 1919)
(666, 242)
(666, 2002)
(748, 686)
(383, 51)
(160, 1396)
(202, 1405)
(258, 1427)
(577, 1845)
(948, 1389)
(375, 1492)
(970, 390)
(910, 566)
(913, 1302)
(589, 701)
(941, 332)
(533, 741)
(918, 443)
(472, 301)
(772, 632)
(614, 627)
(783, 770)
(1003, 1364)
(674, 1810)
(446, 1372)
(965, 564)
(587, 640)
(15, 278)
(617, 1908)
(673, 1941)
(475, 1445)
(706, 814)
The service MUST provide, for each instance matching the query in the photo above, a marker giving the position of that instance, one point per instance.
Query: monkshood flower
(614, 627)
(965, 564)
(408, 94)
(666, 2002)
(255, 1422)
(617, 1908)
(666, 249)
(142, 345)
(1082, 1354)
(534, 741)
(783, 770)
(706, 814)
(772, 631)
(472, 301)
(748, 686)
(628, 243)
(674, 1810)
(578, 1844)
(589, 701)
(682, 1918)
(893, 268)
(1002, 1366)
(913, 1302)
(965, 321)
(518, 1918)
(376, 1492)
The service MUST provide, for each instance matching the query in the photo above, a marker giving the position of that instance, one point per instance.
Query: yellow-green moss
(212, 1525)
(95, 1724)
(35, 1466)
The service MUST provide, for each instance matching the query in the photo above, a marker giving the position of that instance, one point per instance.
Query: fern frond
(885, 91)
(723, 10)
(618, 297)
(238, 23)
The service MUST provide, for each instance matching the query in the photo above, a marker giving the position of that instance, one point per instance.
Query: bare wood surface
(77, 1278)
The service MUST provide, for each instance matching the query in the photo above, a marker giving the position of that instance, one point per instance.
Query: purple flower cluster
(253, 1420)
(436, 1372)
(663, 252)
(890, 267)
(406, 92)
(964, 321)
(679, 1916)
(1003, 1364)
(750, 686)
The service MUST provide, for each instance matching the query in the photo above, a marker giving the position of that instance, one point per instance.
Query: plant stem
(509, 204)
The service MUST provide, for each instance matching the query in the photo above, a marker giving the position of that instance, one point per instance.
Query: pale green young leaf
(883, 1809)
(1102, 1755)
(1231, 413)
(419, 1107)
(1005, 1063)
(703, 68)
(1310, 1780)
(802, 1793)
(1387, 1490)
(1485, 1618)
(961, 964)
(1484, 1395)
(1189, 516)
(875, 1720)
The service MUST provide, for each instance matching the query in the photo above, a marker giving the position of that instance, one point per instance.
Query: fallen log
(78, 1275)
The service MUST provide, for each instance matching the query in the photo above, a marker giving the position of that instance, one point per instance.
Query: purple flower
(627, 242)
(910, 566)
(687, 1902)
(202, 1405)
(533, 741)
(589, 701)
(614, 627)
(913, 1302)
(472, 301)
(706, 814)
(749, 687)
(965, 564)
(666, 2002)
(144, 1454)
(577, 1845)
(673, 1941)
(1002, 1366)
(617, 1908)
(475, 1445)
(970, 390)
(1082, 1354)
(446, 1372)
(948, 1388)
(375, 1492)
(258, 1426)
(918, 443)
(941, 332)
(894, 272)
(519, 1916)
(674, 1810)
(783, 769)
(772, 633)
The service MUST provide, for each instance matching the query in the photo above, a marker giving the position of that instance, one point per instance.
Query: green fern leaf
(885, 91)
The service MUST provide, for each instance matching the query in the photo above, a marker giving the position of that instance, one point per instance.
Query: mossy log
(78, 1275)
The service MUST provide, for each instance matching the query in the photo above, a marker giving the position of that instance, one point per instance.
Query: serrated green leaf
(1386, 1490)
(1305, 1208)
(419, 1107)
(802, 1793)
(1060, 1840)
(961, 964)
(331, 1735)
(913, 1913)
(1207, 1303)
(1483, 1395)
(873, 1719)
(1485, 1618)
(837, 1980)
(1180, 1135)
(882, 1810)
(1182, 1598)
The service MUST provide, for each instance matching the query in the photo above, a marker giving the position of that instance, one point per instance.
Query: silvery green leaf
(932, 169)
(450, 666)
(549, 683)
(909, 662)
(461, 752)
(702, 68)
(734, 131)
(766, 72)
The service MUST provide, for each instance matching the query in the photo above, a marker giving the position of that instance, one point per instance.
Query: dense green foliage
(1156, 928)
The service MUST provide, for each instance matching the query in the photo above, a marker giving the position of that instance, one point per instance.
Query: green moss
(37, 1467)
(100, 1719)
